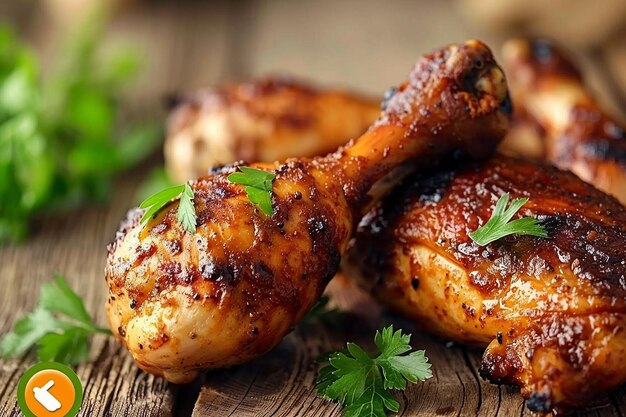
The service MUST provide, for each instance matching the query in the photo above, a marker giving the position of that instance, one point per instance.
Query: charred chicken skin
(265, 120)
(182, 302)
(551, 311)
(551, 100)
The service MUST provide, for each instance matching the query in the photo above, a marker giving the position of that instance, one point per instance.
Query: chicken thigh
(265, 120)
(553, 105)
(182, 302)
(551, 311)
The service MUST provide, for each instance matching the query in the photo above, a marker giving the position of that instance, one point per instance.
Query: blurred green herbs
(60, 143)
(322, 311)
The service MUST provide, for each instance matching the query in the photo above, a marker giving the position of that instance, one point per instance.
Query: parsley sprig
(186, 214)
(362, 381)
(57, 339)
(258, 186)
(500, 224)
(63, 137)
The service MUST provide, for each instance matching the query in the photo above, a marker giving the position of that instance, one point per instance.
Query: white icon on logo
(45, 398)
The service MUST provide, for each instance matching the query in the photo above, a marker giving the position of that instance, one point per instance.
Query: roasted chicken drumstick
(549, 93)
(182, 302)
(551, 311)
(265, 120)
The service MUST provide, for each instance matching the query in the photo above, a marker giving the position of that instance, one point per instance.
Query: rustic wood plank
(74, 245)
(367, 45)
(192, 44)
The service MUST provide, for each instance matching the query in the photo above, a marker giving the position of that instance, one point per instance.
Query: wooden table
(280, 383)
(197, 45)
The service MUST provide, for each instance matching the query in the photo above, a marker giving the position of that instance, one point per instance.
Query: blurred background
(365, 45)
(83, 84)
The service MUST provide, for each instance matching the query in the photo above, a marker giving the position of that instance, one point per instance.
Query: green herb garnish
(57, 339)
(322, 312)
(499, 225)
(60, 137)
(362, 381)
(258, 186)
(186, 210)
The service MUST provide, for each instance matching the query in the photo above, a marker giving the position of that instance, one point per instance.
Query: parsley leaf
(63, 340)
(321, 311)
(186, 214)
(361, 381)
(186, 210)
(258, 186)
(27, 331)
(72, 346)
(499, 225)
(58, 297)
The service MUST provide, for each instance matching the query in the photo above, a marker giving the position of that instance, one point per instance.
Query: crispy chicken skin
(552, 103)
(551, 311)
(265, 120)
(182, 302)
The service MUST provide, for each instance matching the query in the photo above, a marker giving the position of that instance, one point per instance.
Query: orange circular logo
(49, 389)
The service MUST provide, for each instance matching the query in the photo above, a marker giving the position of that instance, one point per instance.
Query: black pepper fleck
(415, 283)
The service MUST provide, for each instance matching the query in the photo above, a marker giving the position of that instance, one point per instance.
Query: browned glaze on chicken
(265, 120)
(181, 302)
(552, 103)
(551, 311)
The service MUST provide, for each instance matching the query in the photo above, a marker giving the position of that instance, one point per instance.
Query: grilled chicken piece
(181, 302)
(549, 92)
(551, 311)
(266, 120)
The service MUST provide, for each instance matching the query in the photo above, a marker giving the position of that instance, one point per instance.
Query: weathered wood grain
(74, 245)
(366, 45)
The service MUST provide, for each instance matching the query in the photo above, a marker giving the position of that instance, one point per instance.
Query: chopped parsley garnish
(258, 186)
(186, 210)
(362, 381)
(59, 326)
(500, 224)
